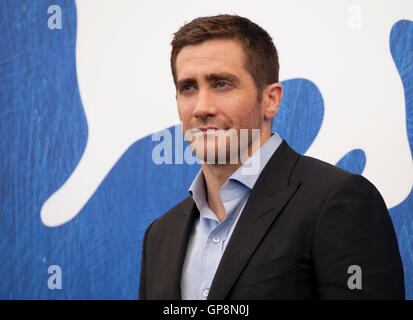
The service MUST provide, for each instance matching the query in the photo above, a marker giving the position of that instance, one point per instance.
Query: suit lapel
(269, 195)
(174, 250)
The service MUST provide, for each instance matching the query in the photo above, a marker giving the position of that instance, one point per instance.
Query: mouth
(209, 129)
(205, 131)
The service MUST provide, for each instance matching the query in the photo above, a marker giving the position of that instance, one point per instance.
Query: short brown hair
(260, 52)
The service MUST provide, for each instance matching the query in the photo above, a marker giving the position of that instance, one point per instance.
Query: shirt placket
(211, 257)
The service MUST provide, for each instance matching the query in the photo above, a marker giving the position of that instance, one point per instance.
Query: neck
(217, 174)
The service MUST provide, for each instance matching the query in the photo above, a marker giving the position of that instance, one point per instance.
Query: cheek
(185, 116)
(242, 110)
(183, 111)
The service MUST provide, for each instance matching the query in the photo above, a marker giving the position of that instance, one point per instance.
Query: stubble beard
(226, 146)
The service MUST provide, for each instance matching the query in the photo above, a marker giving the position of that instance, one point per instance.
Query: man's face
(215, 91)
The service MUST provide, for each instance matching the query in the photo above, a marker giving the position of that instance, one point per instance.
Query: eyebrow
(222, 76)
(211, 77)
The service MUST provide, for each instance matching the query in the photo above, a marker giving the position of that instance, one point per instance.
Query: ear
(272, 96)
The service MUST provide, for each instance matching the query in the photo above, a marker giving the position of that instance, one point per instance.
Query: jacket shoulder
(322, 177)
(320, 172)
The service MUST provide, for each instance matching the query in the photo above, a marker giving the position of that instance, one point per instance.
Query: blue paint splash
(401, 47)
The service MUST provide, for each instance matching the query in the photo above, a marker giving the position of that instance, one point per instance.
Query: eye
(187, 87)
(221, 84)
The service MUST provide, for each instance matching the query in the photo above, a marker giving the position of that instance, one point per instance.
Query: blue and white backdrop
(85, 84)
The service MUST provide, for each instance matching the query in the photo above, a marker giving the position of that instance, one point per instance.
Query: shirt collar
(197, 189)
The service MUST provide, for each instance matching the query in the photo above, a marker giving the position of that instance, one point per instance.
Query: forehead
(217, 55)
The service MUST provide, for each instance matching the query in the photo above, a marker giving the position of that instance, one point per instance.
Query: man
(297, 228)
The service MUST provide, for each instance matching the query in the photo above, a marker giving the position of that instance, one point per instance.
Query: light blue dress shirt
(210, 237)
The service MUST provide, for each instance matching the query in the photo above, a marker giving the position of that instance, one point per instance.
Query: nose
(204, 105)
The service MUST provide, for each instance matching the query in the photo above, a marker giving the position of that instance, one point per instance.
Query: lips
(209, 129)
(204, 131)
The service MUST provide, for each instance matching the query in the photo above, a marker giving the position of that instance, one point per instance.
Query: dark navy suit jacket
(305, 224)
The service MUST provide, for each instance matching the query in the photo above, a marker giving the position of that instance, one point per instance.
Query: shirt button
(205, 293)
(215, 239)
